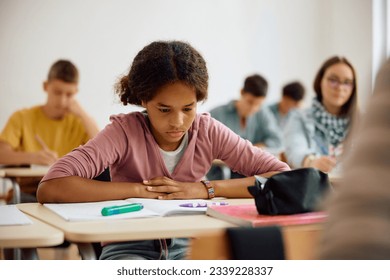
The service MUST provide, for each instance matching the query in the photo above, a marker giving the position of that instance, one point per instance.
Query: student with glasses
(315, 136)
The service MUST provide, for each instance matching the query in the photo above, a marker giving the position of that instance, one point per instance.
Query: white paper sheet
(11, 215)
(152, 208)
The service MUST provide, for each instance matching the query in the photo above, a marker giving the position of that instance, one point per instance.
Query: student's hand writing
(175, 189)
(324, 163)
(45, 156)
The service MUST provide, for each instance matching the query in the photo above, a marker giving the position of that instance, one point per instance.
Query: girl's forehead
(177, 92)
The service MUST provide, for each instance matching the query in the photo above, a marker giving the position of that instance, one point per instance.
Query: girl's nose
(176, 120)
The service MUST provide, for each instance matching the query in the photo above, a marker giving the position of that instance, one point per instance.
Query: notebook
(152, 208)
(247, 215)
(10, 215)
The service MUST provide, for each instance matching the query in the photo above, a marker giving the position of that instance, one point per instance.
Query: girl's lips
(175, 134)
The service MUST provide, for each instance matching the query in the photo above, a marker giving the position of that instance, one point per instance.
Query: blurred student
(247, 118)
(315, 136)
(43, 133)
(161, 153)
(358, 226)
(292, 96)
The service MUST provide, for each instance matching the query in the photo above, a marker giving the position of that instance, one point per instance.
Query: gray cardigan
(304, 136)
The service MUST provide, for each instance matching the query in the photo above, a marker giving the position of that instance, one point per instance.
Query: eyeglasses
(335, 83)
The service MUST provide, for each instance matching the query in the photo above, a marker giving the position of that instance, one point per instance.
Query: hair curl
(161, 63)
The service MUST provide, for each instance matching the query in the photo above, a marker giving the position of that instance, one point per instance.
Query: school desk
(85, 233)
(14, 174)
(29, 237)
(301, 240)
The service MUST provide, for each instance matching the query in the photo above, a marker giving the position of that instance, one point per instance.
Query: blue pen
(120, 209)
(201, 204)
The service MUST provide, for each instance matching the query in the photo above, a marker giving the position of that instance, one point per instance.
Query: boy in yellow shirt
(43, 133)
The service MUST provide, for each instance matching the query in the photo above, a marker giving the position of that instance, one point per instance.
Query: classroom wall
(282, 40)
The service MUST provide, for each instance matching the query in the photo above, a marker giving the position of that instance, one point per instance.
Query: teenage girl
(161, 153)
(315, 137)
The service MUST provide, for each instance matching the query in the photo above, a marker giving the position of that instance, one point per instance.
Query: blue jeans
(161, 249)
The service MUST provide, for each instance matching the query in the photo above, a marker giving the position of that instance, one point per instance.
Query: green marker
(120, 209)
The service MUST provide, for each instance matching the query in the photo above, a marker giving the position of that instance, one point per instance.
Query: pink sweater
(129, 149)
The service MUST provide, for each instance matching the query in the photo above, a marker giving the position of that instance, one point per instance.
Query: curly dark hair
(161, 63)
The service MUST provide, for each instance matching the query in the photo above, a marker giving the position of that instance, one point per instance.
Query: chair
(104, 176)
(262, 243)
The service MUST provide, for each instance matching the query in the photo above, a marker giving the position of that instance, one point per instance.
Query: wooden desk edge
(79, 232)
(38, 234)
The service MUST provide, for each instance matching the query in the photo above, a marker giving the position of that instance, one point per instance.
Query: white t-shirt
(171, 158)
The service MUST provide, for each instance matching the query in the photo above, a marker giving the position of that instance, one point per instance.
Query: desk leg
(12, 254)
(29, 254)
(4, 191)
(20, 254)
(16, 189)
(17, 254)
(86, 251)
